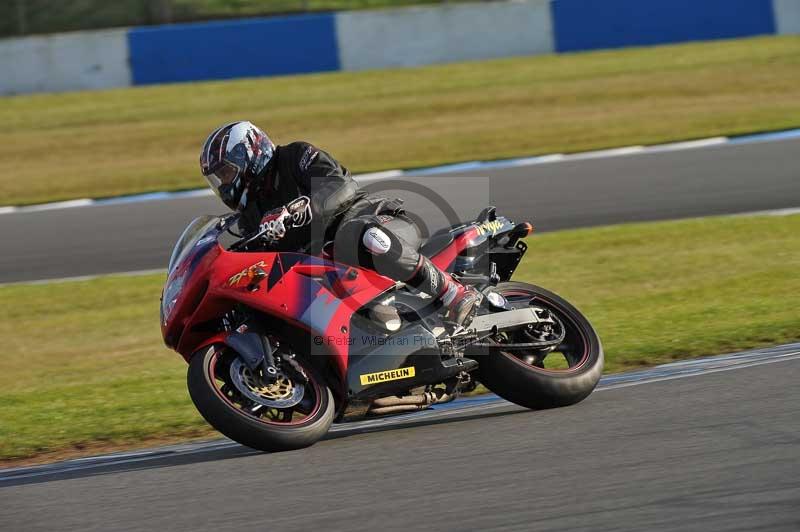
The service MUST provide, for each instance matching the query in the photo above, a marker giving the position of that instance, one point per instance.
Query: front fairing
(196, 246)
(310, 294)
(313, 297)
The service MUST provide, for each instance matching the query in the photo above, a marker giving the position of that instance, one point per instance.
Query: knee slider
(376, 241)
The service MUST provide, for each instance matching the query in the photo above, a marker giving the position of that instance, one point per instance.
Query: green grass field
(84, 368)
(95, 144)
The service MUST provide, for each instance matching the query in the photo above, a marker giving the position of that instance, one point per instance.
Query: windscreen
(200, 227)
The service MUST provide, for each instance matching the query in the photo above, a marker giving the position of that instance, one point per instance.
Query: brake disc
(284, 392)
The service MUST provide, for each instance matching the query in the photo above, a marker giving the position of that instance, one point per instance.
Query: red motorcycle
(280, 345)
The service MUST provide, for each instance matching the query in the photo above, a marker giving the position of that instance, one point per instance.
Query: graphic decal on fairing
(388, 375)
(280, 266)
(247, 273)
(319, 311)
(490, 227)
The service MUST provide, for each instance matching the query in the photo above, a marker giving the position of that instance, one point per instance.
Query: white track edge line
(91, 277)
(703, 371)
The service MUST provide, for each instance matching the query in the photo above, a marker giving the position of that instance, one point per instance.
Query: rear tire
(246, 428)
(527, 385)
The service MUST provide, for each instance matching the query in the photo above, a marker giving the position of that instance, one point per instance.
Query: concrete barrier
(65, 62)
(426, 35)
(373, 39)
(787, 16)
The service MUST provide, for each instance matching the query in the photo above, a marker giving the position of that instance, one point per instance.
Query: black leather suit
(361, 230)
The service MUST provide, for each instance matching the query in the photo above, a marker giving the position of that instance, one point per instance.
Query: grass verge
(94, 144)
(84, 370)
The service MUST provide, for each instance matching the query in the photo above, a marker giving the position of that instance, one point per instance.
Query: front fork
(256, 352)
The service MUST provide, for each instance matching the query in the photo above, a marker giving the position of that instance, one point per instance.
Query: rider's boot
(460, 301)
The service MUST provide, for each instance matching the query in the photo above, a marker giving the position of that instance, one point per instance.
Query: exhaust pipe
(409, 403)
(395, 409)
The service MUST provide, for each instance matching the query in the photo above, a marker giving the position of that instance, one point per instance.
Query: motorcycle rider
(304, 200)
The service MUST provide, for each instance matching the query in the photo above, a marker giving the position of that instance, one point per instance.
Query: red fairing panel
(316, 295)
(445, 258)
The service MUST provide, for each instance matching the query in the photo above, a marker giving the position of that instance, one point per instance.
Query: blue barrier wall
(592, 24)
(233, 49)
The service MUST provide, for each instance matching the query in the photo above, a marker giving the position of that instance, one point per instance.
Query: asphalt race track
(716, 449)
(696, 445)
(722, 179)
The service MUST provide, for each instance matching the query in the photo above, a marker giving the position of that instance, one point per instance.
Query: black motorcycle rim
(575, 346)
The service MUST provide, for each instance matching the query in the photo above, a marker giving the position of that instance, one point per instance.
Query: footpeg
(458, 364)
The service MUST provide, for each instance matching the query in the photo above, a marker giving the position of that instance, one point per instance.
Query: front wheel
(560, 375)
(293, 412)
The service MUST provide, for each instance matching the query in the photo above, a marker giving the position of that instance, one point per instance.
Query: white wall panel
(427, 35)
(65, 62)
(787, 16)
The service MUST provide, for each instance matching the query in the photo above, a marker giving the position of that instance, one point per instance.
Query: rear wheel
(563, 373)
(293, 412)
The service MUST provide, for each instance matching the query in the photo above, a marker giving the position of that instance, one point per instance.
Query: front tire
(207, 387)
(533, 385)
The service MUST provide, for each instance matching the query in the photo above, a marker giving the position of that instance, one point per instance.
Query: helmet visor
(226, 182)
(225, 174)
